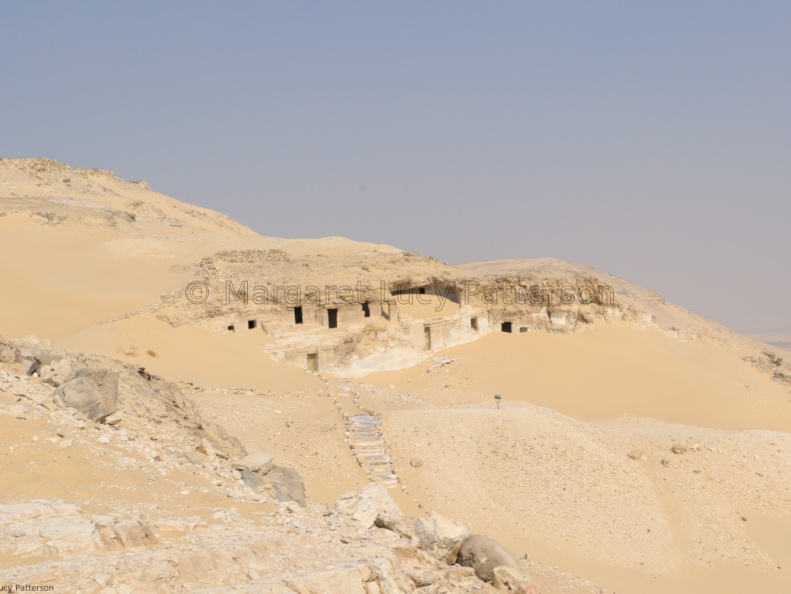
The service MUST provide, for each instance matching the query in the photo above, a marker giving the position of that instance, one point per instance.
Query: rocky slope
(154, 498)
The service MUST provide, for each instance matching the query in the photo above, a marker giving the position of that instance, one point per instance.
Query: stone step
(363, 434)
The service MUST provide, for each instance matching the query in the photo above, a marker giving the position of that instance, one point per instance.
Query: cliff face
(376, 310)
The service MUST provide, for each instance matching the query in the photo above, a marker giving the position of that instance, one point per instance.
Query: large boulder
(81, 394)
(373, 506)
(28, 366)
(288, 484)
(259, 462)
(107, 383)
(251, 479)
(93, 392)
(484, 554)
(441, 536)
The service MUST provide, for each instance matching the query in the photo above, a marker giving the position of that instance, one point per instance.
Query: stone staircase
(370, 449)
(363, 432)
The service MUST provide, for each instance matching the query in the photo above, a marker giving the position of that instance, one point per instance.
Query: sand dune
(563, 487)
(645, 457)
(57, 281)
(613, 371)
(567, 493)
(195, 355)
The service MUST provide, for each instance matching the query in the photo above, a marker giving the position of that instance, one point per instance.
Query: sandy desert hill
(84, 246)
(637, 447)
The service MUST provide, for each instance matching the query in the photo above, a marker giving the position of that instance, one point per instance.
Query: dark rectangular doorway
(366, 310)
(332, 318)
(506, 327)
(297, 315)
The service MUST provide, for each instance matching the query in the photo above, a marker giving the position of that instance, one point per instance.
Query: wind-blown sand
(562, 486)
(613, 371)
(188, 354)
(640, 460)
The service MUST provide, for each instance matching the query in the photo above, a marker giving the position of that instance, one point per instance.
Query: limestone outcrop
(441, 536)
(93, 392)
(293, 544)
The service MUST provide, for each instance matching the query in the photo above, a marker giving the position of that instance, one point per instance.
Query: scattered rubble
(105, 408)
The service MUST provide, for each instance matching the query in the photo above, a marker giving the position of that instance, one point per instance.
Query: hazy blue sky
(651, 140)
